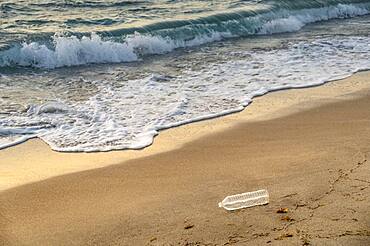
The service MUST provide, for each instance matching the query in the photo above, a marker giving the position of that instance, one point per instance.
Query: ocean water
(90, 75)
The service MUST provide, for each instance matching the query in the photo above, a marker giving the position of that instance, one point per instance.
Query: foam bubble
(48, 108)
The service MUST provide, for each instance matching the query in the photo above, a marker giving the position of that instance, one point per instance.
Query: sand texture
(312, 157)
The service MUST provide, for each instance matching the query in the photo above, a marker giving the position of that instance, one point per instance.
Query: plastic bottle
(245, 200)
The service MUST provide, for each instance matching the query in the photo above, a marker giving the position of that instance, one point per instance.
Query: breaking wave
(127, 45)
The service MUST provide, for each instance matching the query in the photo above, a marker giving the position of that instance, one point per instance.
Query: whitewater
(112, 84)
(71, 51)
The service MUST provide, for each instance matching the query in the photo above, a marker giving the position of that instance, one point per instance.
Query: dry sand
(308, 147)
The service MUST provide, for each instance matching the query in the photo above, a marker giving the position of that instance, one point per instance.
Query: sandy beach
(308, 147)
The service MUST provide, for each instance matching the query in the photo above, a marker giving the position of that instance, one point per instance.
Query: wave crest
(73, 51)
(68, 51)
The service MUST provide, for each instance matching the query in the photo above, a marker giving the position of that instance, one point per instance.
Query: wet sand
(308, 148)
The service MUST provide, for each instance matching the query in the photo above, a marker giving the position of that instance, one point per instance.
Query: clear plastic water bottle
(245, 200)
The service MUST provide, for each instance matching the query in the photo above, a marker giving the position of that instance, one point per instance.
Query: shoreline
(311, 157)
(40, 158)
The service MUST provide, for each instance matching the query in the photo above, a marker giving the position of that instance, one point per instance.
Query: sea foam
(130, 115)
